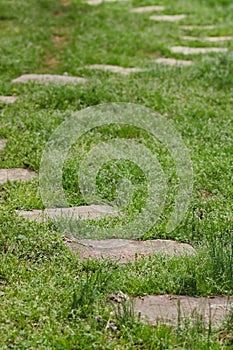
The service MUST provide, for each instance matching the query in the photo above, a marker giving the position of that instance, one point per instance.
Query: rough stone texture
(211, 39)
(2, 144)
(190, 27)
(173, 62)
(83, 212)
(196, 50)
(16, 174)
(8, 99)
(115, 69)
(125, 250)
(167, 18)
(164, 309)
(147, 9)
(48, 78)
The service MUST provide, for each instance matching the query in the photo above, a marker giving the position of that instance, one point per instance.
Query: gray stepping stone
(115, 69)
(196, 50)
(211, 39)
(48, 78)
(125, 250)
(82, 212)
(190, 27)
(2, 144)
(167, 18)
(16, 174)
(147, 9)
(97, 2)
(164, 309)
(174, 62)
(8, 99)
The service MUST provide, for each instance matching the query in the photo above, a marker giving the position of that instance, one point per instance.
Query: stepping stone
(8, 99)
(48, 78)
(125, 250)
(167, 18)
(115, 69)
(212, 39)
(198, 27)
(2, 144)
(173, 62)
(16, 174)
(196, 50)
(164, 309)
(82, 212)
(147, 9)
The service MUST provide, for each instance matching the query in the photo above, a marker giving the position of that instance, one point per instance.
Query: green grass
(52, 299)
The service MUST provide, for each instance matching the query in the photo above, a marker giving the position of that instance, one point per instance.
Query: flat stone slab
(97, 2)
(196, 50)
(168, 18)
(48, 78)
(125, 250)
(2, 144)
(211, 39)
(164, 309)
(16, 174)
(147, 9)
(190, 27)
(115, 69)
(82, 212)
(8, 99)
(174, 62)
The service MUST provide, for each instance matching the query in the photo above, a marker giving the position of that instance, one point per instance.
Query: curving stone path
(125, 250)
(8, 99)
(167, 18)
(2, 144)
(174, 62)
(196, 50)
(48, 78)
(164, 309)
(82, 212)
(147, 9)
(115, 69)
(16, 174)
(211, 39)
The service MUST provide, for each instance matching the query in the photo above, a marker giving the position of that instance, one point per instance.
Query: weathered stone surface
(16, 174)
(173, 62)
(82, 212)
(115, 69)
(97, 2)
(48, 78)
(164, 309)
(147, 9)
(190, 27)
(125, 250)
(8, 99)
(211, 39)
(196, 50)
(2, 144)
(167, 18)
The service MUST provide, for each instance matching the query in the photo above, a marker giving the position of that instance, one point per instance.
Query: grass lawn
(49, 298)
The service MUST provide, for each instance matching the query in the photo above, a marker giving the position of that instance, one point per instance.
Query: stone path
(8, 99)
(48, 78)
(174, 62)
(16, 174)
(115, 69)
(98, 2)
(196, 50)
(168, 18)
(82, 212)
(191, 27)
(125, 250)
(211, 39)
(164, 309)
(147, 9)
